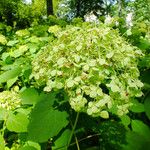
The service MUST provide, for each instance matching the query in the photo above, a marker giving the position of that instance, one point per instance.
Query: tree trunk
(119, 8)
(49, 4)
(78, 8)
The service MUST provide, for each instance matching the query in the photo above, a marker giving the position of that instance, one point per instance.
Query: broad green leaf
(45, 122)
(136, 141)
(125, 120)
(10, 74)
(29, 96)
(147, 106)
(11, 82)
(17, 123)
(31, 145)
(140, 128)
(137, 107)
(25, 111)
(28, 148)
(2, 143)
(62, 141)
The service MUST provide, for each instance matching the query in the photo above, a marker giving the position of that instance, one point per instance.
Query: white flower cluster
(9, 100)
(96, 67)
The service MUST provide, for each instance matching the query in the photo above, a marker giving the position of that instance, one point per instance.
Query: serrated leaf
(140, 128)
(29, 96)
(17, 123)
(10, 74)
(147, 106)
(45, 122)
(62, 141)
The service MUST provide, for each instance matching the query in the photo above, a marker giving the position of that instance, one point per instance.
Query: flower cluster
(9, 100)
(96, 67)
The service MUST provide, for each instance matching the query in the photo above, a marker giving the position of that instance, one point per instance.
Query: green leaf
(140, 128)
(136, 141)
(29, 96)
(137, 107)
(29, 145)
(46, 122)
(11, 82)
(17, 123)
(12, 43)
(10, 74)
(2, 143)
(147, 106)
(62, 141)
(28, 148)
(125, 120)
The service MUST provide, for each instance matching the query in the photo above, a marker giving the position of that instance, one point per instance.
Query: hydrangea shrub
(95, 66)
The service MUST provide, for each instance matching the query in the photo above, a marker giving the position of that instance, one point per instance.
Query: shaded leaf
(140, 128)
(45, 122)
(62, 141)
(147, 106)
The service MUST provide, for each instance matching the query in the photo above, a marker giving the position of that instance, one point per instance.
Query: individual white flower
(108, 20)
(129, 19)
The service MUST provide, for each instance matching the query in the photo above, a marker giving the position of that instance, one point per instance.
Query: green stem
(73, 129)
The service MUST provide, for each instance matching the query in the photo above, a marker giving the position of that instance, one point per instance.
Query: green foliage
(29, 96)
(62, 141)
(10, 74)
(46, 119)
(17, 123)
